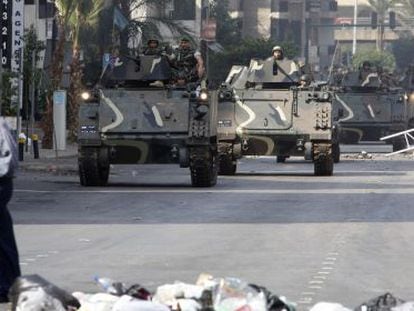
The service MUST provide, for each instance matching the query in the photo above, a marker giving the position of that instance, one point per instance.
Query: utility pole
(1, 81)
(354, 41)
(19, 93)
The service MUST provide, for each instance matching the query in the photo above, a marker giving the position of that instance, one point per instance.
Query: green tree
(65, 9)
(403, 50)
(228, 29)
(241, 54)
(31, 74)
(84, 16)
(148, 18)
(384, 59)
(8, 91)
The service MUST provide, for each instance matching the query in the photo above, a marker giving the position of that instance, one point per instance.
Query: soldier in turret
(277, 53)
(185, 59)
(286, 66)
(152, 47)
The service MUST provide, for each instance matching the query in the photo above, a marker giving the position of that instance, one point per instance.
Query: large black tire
(92, 171)
(336, 153)
(323, 166)
(203, 168)
(281, 159)
(227, 166)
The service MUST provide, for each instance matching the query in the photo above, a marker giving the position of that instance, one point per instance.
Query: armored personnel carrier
(408, 84)
(135, 115)
(263, 111)
(367, 109)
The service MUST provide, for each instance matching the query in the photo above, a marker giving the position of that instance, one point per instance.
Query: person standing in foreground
(9, 258)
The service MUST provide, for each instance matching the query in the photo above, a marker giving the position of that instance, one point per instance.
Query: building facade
(300, 21)
(40, 14)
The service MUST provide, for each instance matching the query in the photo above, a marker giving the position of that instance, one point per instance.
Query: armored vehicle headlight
(86, 95)
(203, 96)
(326, 96)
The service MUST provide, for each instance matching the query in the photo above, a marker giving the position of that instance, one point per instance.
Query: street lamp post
(354, 40)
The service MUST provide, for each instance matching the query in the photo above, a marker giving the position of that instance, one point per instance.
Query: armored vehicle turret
(138, 114)
(366, 107)
(264, 111)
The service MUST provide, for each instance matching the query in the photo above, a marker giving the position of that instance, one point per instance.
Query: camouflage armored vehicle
(263, 111)
(408, 84)
(367, 109)
(135, 116)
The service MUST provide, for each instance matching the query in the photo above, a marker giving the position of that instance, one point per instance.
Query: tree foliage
(228, 29)
(242, 53)
(31, 74)
(8, 91)
(384, 59)
(403, 50)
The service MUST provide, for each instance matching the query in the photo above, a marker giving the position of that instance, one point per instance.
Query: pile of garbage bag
(34, 293)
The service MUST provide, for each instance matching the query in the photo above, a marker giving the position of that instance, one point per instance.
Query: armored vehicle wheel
(324, 166)
(92, 170)
(281, 159)
(227, 166)
(323, 159)
(203, 167)
(336, 153)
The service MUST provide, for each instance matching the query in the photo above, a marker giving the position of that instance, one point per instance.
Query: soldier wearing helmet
(277, 53)
(152, 47)
(286, 68)
(187, 61)
(304, 80)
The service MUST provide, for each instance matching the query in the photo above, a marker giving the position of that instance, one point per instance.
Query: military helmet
(153, 40)
(366, 64)
(305, 77)
(277, 48)
(185, 39)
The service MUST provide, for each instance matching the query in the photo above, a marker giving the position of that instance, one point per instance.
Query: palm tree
(149, 18)
(65, 9)
(381, 7)
(85, 15)
(405, 11)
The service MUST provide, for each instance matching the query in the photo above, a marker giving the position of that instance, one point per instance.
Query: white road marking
(320, 277)
(328, 263)
(324, 272)
(315, 287)
(307, 294)
(229, 191)
(316, 282)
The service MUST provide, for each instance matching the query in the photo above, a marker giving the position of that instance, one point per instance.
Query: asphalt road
(345, 238)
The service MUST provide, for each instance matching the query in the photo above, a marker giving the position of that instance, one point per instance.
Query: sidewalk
(52, 161)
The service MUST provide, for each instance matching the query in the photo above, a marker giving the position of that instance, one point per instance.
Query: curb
(56, 169)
